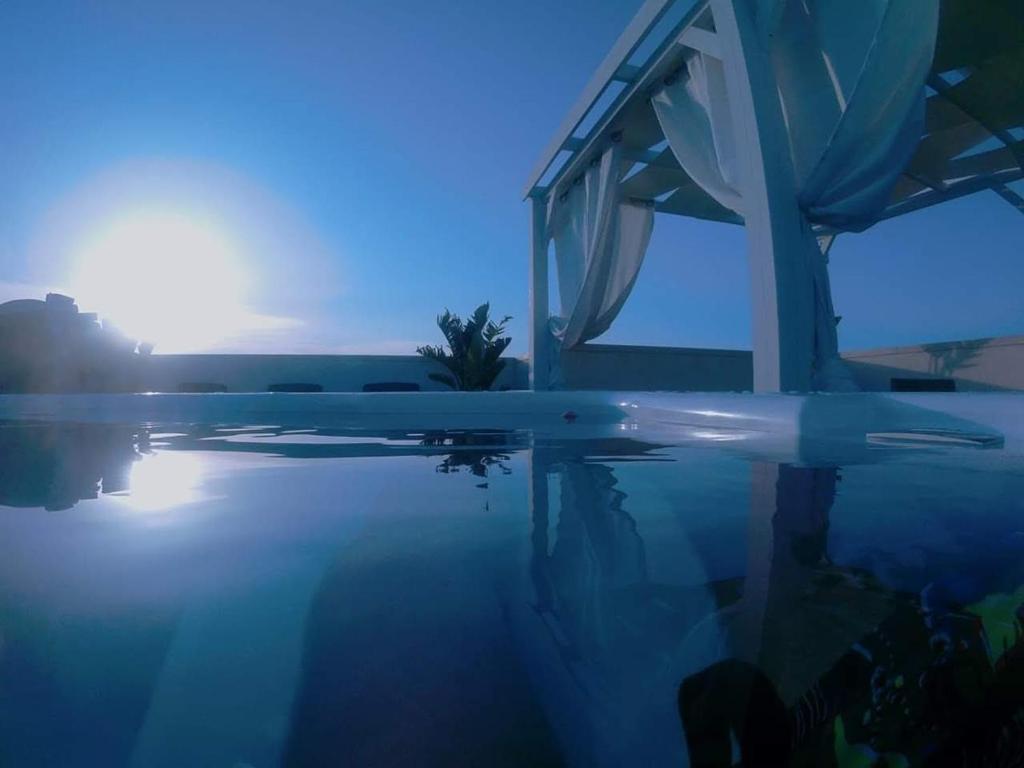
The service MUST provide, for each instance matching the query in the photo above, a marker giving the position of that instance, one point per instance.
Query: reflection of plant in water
(477, 452)
(1000, 615)
(477, 463)
(930, 687)
(932, 696)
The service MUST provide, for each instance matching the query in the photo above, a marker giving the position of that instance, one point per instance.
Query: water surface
(260, 596)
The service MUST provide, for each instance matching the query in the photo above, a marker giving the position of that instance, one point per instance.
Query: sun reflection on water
(164, 480)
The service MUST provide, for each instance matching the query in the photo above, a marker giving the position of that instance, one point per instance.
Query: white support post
(701, 40)
(782, 279)
(539, 336)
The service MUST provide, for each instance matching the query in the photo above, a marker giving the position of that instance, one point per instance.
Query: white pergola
(800, 119)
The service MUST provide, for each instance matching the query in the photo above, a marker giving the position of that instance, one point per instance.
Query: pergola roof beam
(951, 192)
(653, 181)
(659, 64)
(908, 185)
(640, 129)
(627, 73)
(649, 15)
(692, 201)
(651, 157)
(987, 163)
(936, 150)
(701, 40)
(942, 115)
(972, 30)
(963, 97)
(926, 181)
(973, 120)
(1010, 196)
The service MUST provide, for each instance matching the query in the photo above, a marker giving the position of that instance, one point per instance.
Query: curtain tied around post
(850, 80)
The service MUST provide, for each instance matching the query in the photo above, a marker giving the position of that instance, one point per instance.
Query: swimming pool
(585, 579)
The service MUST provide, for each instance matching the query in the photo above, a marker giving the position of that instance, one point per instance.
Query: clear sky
(332, 173)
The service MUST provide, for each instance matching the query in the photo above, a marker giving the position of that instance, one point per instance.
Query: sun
(165, 277)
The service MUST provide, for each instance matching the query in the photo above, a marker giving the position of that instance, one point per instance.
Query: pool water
(254, 595)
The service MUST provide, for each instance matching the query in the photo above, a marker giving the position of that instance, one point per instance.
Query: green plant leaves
(475, 346)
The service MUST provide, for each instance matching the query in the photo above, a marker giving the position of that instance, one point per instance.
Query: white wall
(604, 366)
(984, 364)
(979, 364)
(335, 373)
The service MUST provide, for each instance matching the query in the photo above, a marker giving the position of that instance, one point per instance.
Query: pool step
(932, 436)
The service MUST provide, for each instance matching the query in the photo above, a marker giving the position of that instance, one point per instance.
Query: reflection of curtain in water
(612, 639)
(597, 550)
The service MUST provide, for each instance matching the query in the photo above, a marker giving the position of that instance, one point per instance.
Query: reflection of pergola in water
(590, 572)
(800, 120)
(613, 641)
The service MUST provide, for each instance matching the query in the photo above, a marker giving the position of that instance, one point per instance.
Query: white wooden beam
(782, 280)
(657, 66)
(626, 73)
(951, 192)
(648, 15)
(949, 93)
(1009, 196)
(701, 40)
(825, 243)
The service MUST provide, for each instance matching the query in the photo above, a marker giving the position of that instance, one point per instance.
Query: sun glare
(164, 277)
(163, 481)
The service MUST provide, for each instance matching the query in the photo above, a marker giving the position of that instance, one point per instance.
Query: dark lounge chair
(923, 385)
(391, 386)
(295, 386)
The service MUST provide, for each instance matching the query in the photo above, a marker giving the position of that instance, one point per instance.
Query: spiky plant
(473, 357)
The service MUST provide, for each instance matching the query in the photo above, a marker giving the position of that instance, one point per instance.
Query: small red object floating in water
(569, 416)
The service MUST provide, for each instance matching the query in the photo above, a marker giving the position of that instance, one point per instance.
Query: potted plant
(473, 356)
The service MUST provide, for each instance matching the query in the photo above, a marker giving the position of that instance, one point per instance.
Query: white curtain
(851, 84)
(694, 115)
(851, 79)
(600, 242)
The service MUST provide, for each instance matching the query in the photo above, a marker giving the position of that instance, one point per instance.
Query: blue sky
(365, 161)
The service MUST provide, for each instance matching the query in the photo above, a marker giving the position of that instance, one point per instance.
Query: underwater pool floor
(259, 595)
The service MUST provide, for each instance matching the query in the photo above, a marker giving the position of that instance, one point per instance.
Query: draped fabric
(694, 115)
(600, 242)
(851, 78)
